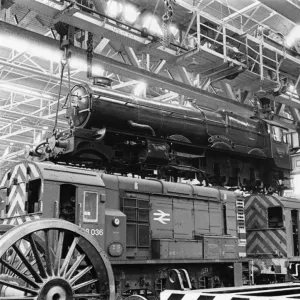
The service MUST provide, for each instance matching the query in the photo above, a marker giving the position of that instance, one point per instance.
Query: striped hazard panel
(261, 238)
(277, 291)
(15, 182)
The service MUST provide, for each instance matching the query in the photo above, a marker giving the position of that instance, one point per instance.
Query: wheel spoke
(75, 266)
(37, 257)
(48, 254)
(20, 263)
(80, 274)
(78, 286)
(64, 267)
(19, 274)
(28, 265)
(59, 252)
(32, 263)
(18, 287)
(12, 261)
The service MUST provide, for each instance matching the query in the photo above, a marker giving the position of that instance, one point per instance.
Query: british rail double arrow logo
(162, 217)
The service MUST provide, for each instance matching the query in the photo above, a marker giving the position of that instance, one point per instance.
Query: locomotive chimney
(102, 81)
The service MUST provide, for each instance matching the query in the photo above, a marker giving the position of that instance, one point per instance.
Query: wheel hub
(56, 289)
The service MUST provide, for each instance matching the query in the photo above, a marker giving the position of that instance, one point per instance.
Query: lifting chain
(89, 54)
(167, 19)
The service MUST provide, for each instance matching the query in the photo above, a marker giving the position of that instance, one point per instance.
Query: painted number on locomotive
(94, 231)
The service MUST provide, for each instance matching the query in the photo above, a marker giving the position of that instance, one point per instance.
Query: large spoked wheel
(53, 259)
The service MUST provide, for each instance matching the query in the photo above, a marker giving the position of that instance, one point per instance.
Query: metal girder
(44, 75)
(132, 56)
(285, 8)
(228, 90)
(101, 45)
(184, 75)
(295, 114)
(280, 109)
(111, 65)
(203, 98)
(158, 67)
(241, 11)
(24, 22)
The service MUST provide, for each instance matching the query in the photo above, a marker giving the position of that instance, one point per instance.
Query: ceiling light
(292, 38)
(45, 127)
(23, 90)
(151, 24)
(130, 13)
(24, 45)
(173, 29)
(140, 89)
(114, 8)
(97, 70)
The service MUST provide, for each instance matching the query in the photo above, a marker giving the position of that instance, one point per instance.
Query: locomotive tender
(125, 134)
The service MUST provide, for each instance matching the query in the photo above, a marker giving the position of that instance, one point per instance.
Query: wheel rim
(53, 260)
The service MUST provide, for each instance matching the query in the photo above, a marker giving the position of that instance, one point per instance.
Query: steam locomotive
(135, 236)
(125, 134)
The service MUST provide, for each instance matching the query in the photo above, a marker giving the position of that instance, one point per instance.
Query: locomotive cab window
(277, 133)
(90, 207)
(34, 188)
(275, 217)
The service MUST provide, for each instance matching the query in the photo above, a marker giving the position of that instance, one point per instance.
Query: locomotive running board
(255, 292)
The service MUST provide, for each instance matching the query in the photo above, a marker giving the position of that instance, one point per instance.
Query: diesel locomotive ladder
(255, 292)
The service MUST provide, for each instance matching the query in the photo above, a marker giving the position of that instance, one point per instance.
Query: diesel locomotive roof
(53, 172)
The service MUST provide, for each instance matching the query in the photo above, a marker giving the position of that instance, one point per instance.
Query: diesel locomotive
(142, 229)
(125, 134)
(74, 233)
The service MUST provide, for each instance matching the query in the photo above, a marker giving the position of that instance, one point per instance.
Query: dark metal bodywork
(126, 134)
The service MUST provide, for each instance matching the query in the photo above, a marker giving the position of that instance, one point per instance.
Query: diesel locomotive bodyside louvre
(125, 134)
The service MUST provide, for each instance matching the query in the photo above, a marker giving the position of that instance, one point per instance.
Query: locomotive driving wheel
(52, 259)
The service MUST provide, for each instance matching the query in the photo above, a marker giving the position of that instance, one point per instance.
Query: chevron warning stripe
(23, 172)
(260, 238)
(271, 291)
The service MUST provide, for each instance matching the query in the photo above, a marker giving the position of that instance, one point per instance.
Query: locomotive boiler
(133, 234)
(126, 134)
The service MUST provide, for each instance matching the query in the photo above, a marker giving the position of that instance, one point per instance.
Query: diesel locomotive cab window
(275, 217)
(137, 213)
(90, 207)
(277, 134)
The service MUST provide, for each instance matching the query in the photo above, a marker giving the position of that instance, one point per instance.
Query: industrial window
(90, 207)
(137, 213)
(275, 217)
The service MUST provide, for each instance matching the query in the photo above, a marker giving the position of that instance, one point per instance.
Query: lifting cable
(167, 19)
(89, 55)
(64, 62)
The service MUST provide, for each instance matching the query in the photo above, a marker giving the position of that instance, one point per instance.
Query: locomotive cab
(52, 191)
(273, 225)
